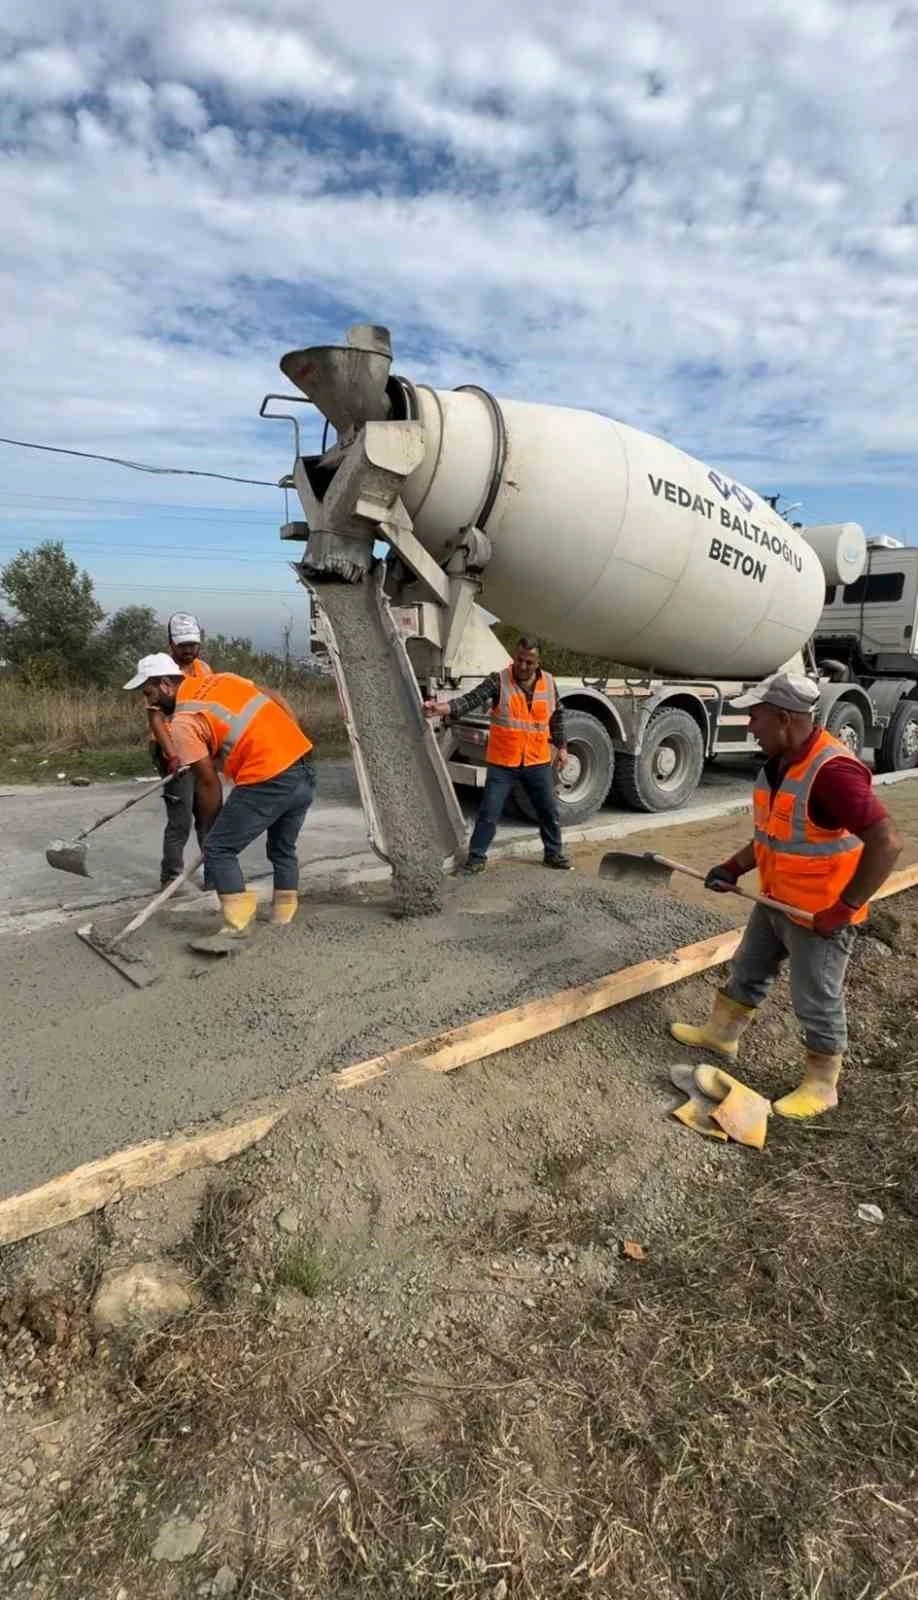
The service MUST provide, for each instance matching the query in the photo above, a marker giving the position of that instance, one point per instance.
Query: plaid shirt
(487, 693)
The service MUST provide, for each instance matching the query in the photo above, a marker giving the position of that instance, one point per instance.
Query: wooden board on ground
(98, 1183)
(474, 1041)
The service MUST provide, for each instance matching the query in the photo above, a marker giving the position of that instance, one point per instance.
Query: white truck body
(607, 541)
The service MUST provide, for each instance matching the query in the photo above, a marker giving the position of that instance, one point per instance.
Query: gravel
(90, 1064)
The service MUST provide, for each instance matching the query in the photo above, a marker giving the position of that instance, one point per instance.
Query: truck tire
(899, 749)
(846, 721)
(668, 770)
(584, 785)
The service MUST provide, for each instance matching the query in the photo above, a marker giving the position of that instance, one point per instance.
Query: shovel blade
(68, 858)
(632, 866)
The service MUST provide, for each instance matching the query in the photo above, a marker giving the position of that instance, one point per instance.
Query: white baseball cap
(184, 628)
(787, 691)
(158, 666)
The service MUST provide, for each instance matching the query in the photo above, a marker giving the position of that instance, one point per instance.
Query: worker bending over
(184, 633)
(823, 844)
(254, 735)
(527, 718)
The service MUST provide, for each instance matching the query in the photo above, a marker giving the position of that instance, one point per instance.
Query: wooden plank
(458, 1047)
(897, 882)
(98, 1183)
(485, 1037)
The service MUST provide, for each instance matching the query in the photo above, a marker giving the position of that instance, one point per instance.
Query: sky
(700, 219)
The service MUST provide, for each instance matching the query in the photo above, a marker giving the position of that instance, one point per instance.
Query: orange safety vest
(518, 735)
(250, 732)
(799, 863)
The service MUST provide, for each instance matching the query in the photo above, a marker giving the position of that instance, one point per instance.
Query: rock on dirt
(178, 1539)
(225, 1582)
(147, 1293)
(289, 1220)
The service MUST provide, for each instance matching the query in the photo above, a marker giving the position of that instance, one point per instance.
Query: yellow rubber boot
(284, 907)
(740, 1111)
(238, 911)
(695, 1113)
(723, 1030)
(818, 1091)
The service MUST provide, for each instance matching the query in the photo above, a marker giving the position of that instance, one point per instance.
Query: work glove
(827, 922)
(724, 877)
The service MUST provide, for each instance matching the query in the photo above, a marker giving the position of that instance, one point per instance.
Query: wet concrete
(88, 1064)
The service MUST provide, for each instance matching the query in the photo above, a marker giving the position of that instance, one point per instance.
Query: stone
(149, 1292)
(178, 1539)
(288, 1220)
(16, 1559)
(225, 1582)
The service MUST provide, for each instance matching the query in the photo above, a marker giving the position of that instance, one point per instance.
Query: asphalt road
(124, 856)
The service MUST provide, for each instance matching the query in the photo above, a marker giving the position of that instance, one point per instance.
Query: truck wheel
(587, 778)
(899, 750)
(668, 770)
(846, 721)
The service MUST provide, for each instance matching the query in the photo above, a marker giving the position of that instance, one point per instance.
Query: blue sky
(699, 218)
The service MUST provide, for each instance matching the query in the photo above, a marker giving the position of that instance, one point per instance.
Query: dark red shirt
(842, 795)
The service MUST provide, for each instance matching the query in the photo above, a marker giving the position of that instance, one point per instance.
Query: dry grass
(734, 1419)
(61, 721)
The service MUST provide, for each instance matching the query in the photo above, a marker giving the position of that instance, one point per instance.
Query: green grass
(30, 766)
(304, 1267)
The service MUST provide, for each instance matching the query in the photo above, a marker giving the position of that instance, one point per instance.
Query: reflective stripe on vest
(236, 721)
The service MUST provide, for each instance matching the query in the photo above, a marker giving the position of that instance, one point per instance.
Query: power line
(138, 466)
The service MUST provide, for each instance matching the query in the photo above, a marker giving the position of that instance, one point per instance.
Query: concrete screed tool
(645, 867)
(112, 947)
(69, 855)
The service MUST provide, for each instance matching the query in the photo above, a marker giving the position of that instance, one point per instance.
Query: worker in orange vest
(823, 845)
(527, 719)
(184, 634)
(228, 722)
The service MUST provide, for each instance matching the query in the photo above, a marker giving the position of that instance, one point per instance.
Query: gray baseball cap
(786, 691)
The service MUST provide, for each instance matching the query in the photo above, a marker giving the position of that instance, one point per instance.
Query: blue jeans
(538, 783)
(277, 808)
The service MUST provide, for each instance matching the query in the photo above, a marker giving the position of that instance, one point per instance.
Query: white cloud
(703, 220)
(48, 73)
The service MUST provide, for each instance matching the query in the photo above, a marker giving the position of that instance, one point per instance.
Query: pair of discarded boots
(721, 1034)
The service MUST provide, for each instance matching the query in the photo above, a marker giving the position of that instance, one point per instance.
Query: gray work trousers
(180, 815)
(817, 975)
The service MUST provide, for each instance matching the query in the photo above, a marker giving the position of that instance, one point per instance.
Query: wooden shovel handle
(744, 894)
(150, 788)
(158, 900)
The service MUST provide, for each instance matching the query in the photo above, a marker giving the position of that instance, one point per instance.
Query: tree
(56, 613)
(115, 650)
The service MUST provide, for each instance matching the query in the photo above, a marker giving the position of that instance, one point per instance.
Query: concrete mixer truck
(455, 508)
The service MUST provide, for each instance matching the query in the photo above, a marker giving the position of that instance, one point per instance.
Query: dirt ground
(421, 1360)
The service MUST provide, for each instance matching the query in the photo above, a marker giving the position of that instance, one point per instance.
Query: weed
(217, 1238)
(304, 1267)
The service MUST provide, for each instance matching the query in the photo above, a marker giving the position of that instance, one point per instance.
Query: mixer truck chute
(460, 506)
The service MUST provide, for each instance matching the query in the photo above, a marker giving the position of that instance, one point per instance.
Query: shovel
(632, 866)
(70, 855)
